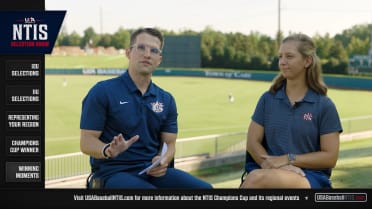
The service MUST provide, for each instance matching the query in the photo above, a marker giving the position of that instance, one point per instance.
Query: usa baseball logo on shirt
(308, 116)
(157, 107)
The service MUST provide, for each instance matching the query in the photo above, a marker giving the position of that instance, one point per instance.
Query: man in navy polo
(126, 121)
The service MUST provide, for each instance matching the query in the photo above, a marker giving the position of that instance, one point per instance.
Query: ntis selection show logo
(30, 32)
(33, 32)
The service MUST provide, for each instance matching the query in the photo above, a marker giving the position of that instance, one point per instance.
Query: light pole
(278, 35)
(279, 16)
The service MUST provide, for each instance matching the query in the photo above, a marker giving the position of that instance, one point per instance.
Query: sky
(245, 16)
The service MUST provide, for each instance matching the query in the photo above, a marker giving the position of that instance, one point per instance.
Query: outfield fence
(356, 124)
(348, 82)
(72, 164)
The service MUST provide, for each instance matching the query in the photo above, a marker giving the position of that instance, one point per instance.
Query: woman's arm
(254, 142)
(325, 158)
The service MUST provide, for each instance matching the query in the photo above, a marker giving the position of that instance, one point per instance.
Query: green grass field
(354, 167)
(86, 61)
(202, 103)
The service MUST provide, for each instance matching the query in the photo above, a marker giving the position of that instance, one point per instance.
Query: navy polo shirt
(295, 129)
(116, 106)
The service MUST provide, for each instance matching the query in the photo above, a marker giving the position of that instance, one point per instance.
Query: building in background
(362, 64)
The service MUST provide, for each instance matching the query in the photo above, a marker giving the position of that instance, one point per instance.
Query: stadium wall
(344, 82)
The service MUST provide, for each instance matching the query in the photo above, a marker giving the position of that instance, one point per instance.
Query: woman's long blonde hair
(313, 78)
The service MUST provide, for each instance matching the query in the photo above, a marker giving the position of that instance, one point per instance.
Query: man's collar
(132, 86)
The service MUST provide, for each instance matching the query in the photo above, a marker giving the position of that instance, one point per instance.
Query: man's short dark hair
(151, 31)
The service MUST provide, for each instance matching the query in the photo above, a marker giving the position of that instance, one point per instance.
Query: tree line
(241, 51)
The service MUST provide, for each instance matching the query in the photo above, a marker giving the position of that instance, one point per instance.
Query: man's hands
(159, 170)
(119, 145)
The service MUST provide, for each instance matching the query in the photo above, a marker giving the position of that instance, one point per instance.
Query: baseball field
(204, 108)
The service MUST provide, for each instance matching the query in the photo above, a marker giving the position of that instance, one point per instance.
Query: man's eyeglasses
(142, 48)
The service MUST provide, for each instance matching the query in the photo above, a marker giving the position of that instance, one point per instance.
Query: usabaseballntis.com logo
(340, 197)
(32, 32)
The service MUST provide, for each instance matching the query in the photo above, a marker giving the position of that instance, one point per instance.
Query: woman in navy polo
(293, 138)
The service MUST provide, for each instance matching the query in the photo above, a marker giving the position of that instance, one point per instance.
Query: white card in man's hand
(157, 162)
